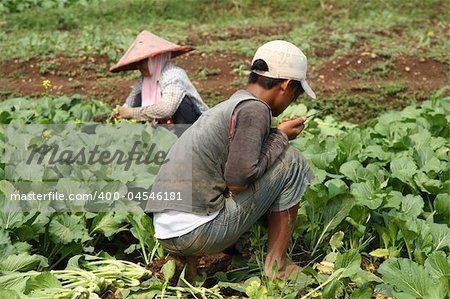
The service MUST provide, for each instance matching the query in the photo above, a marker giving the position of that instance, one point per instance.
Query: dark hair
(265, 82)
(269, 83)
(297, 86)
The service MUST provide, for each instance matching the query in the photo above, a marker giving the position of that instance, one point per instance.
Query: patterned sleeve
(136, 89)
(172, 93)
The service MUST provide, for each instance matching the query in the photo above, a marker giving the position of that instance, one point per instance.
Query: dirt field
(89, 76)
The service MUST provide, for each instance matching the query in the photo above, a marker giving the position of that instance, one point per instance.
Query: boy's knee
(292, 156)
(297, 164)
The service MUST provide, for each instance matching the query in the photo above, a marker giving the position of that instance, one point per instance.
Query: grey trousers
(279, 189)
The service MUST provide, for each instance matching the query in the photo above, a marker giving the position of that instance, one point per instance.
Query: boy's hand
(237, 189)
(292, 127)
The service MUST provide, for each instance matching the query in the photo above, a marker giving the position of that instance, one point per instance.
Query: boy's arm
(254, 146)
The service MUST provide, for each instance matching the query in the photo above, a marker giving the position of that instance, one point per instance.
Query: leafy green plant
(408, 277)
(84, 277)
(384, 179)
(142, 230)
(380, 191)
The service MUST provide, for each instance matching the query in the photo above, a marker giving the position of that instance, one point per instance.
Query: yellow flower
(47, 84)
(47, 134)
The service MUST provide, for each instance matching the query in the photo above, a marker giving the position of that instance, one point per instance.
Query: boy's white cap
(285, 61)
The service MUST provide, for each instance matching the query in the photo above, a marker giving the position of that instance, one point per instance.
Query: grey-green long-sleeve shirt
(253, 146)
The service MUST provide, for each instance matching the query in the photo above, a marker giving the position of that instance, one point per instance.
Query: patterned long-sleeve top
(175, 84)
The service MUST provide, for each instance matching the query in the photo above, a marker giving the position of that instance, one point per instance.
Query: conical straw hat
(146, 45)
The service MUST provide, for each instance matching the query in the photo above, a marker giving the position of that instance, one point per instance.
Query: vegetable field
(375, 222)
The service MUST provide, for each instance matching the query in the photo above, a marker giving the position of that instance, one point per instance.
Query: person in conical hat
(164, 91)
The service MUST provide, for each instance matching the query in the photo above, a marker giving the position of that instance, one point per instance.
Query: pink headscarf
(151, 90)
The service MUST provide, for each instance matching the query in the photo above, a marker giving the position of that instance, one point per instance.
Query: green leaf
(67, 228)
(239, 287)
(16, 280)
(359, 229)
(254, 289)
(404, 296)
(350, 169)
(394, 200)
(384, 289)
(376, 152)
(43, 281)
(60, 117)
(366, 195)
(10, 215)
(441, 236)
(380, 252)
(365, 293)
(336, 187)
(421, 139)
(6, 247)
(109, 223)
(409, 277)
(169, 269)
(377, 174)
(412, 205)
(350, 145)
(321, 154)
(5, 117)
(10, 294)
(22, 262)
(74, 262)
(426, 160)
(336, 240)
(438, 265)
(442, 208)
(363, 278)
(350, 261)
(403, 168)
(427, 184)
(333, 288)
(142, 228)
(336, 211)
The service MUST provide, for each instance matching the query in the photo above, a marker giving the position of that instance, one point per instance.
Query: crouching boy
(233, 168)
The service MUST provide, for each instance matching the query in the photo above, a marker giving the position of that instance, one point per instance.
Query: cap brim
(308, 89)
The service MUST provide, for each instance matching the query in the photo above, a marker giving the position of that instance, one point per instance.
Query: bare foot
(289, 271)
(292, 271)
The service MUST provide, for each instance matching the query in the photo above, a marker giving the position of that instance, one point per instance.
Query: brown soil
(209, 263)
(348, 73)
(89, 76)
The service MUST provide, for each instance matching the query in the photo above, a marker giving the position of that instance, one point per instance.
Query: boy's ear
(285, 84)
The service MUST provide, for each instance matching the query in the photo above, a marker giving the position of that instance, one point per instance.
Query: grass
(361, 108)
(387, 28)
(46, 67)
(212, 97)
(380, 69)
(202, 74)
(76, 29)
